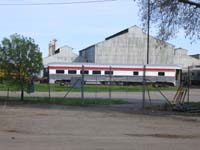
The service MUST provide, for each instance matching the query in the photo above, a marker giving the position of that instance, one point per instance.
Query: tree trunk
(22, 94)
(22, 90)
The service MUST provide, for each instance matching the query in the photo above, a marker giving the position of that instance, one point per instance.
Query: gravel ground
(54, 127)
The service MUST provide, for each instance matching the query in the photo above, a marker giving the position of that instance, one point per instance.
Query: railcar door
(178, 77)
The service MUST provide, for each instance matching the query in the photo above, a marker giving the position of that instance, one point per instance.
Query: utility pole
(144, 86)
(148, 29)
(147, 58)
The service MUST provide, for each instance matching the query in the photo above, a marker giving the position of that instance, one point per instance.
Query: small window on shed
(108, 72)
(96, 72)
(60, 71)
(161, 73)
(57, 51)
(135, 73)
(71, 71)
(84, 72)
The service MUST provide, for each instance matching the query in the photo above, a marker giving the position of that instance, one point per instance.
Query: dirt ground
(53, 127)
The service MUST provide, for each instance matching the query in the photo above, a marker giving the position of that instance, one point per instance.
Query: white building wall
(131, 48)
(112, 51)
(88, 55)
(183, 59)
(65, 55)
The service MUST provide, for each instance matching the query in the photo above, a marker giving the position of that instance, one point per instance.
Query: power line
(60, 3)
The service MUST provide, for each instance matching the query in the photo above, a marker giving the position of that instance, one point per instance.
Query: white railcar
(119, 74)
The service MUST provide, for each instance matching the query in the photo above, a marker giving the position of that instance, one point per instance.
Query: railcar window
(135, 73)
(161, 73)
(71, 71)
(108, 72)
(96, 72)
(60, 71)
(193, 74)
(46, 71)
(84, 72)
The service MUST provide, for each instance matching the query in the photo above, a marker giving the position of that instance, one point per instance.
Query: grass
(193, 104)
(65, 101)
(87, 88)
(186, 107)
(4, 87)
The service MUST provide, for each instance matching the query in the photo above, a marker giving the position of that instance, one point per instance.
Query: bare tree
(172, 16)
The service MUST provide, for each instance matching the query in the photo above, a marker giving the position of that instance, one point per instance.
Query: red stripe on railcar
(112, 68)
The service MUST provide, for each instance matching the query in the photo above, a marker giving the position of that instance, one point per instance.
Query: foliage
(171, 16)
(20, 59)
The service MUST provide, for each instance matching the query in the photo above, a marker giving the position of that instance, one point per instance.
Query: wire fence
(111, 89)
(141, 92)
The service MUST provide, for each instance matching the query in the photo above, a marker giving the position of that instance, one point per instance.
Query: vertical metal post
(96, 88)
(49, 84)
(110, 83)
(147, 58)
(8, 89)
(188, 85)
(148, 29)
(49, 90)
(144, 86)
(82, 82)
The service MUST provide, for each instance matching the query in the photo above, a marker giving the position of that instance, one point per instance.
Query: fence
(94, 90)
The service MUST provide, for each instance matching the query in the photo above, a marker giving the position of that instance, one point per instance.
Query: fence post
(82, 82)
(96, 88)
(49, 84)
(110, 84)
(8, 90)
(144, 86)
(188, 85)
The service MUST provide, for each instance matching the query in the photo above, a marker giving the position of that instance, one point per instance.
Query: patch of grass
(67, 101)
(97, 88)
(193, 104)
(186, 107)
(5, 87)
(87, 88)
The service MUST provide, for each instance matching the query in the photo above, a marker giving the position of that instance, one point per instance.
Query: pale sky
(76, 25)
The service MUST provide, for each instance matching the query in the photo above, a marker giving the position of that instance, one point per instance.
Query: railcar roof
(115, 65)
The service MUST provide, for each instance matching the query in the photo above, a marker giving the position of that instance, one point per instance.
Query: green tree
(171, 16)
(21, 58)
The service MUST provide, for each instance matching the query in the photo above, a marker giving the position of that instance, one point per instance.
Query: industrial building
(57, 54)
(127, 47)
(183, 59)
(130, 47)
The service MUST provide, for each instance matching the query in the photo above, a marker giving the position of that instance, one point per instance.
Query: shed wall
(131, 48)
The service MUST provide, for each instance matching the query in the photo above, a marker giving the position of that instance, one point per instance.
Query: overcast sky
(75, 25)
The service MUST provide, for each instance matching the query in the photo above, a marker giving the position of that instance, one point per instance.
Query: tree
(21, 58)
(171, 16)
